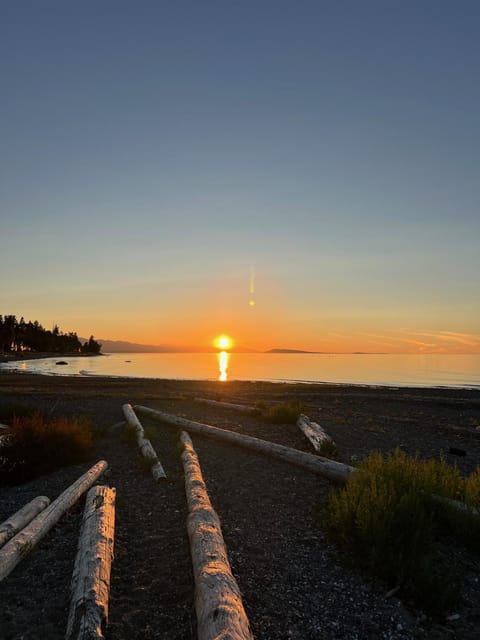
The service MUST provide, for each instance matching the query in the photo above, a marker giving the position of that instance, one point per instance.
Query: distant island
(291, 351)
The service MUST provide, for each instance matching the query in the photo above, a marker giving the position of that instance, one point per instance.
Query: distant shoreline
(39, 355)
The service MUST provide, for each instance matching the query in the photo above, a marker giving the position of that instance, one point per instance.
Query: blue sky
(151, 153)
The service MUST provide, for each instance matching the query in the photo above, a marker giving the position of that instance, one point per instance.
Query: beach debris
(21, 518)
(456, 505)
(117, 426)
(145, 446)
(226, 405)
(90, 585)
(334, 471)
(453, 617)
(62, 362)
(23, 542)
(392, 592)
(457, 452)
(316, 434)
(218, 602)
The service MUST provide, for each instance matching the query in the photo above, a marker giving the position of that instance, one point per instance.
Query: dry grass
(36, 446)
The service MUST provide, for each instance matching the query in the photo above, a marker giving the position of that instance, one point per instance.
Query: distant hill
(291, 351)
(123, 346)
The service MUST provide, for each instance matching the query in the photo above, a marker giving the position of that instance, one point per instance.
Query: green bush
(472, 489)
(384, 515)
(129, 435)
(283, 413)
(35, 446)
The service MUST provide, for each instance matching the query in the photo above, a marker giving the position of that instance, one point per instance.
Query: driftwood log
(455, 505)
(21, 518)
(88, 615)
(334, 471)
(226, 405)
(218, 602)
(145, 446)
(318, 437)
(21, 544)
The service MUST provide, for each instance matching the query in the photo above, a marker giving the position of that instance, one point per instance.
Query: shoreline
(24, 356)
(292, 383)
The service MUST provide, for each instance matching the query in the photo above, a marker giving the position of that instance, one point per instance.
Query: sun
(223, 342)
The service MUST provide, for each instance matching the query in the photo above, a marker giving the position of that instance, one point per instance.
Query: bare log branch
(334, 471)
(21, 544)
(90, 586)
(218, 602)
(226, 405)
(21, 518)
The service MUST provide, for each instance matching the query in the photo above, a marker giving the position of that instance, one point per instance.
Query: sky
(292, 174)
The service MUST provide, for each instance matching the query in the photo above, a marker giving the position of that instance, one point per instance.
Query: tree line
(17, 336)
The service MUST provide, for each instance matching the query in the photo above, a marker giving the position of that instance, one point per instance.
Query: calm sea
(393, 370)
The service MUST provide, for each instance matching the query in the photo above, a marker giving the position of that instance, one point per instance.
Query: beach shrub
(129, 435)
(284, 412)
(35, 446)
(384, 515)
(472, 489)
(260, 406)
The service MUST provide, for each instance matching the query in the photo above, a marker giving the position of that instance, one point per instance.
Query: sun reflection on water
(223, 358)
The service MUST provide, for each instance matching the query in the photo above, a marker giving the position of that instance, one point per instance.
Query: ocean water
(367, 369)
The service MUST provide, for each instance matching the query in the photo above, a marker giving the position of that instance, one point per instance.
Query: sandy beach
(294, 582)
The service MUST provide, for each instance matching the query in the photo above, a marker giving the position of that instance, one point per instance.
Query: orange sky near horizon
(181, 313)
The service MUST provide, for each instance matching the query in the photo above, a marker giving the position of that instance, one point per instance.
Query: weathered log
(145, 446)
(455, 505)
(218, 602)
(21, 518)
(468, 431)
(21, 544)
(226, 405)
(318, 437)
(335, 471)
(90, 587)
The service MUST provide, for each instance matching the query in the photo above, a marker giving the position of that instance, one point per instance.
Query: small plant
(472, 489)
(328, 449)
(129, 435)
(284, 413)
(36, 446)
(260, 406)
(150, 433)
(387, 519)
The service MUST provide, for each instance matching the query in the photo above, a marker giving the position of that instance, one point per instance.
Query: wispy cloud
(466, 339)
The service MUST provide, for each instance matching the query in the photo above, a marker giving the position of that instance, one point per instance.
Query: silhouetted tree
(31, 336)
(92, 346)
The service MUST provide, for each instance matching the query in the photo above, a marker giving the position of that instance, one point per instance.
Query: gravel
(295, 583)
